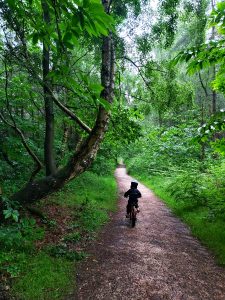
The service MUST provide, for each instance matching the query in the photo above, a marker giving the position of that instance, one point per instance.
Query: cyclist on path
(133, 194)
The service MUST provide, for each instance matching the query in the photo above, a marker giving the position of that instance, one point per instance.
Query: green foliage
(213, 132)
(206, 224)
(169, 94)
(92, 218)
(73, 35)
(217, 17)
(12, 263)
(188, 187)
(125, 127)
(44, 277)
(73, 237)
(62, 251)
(11, 213)
(92, 197)
(105, 162)
(202, 56)
(49, 273)
(10, 210)
(20, 235)
(214, 190)
(75, 17)
(89, 188)
(210, 53)
(17, 245)
(163, 150)
(164, 30)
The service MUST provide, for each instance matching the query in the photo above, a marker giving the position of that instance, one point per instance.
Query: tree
(59, 27)
(58, 61)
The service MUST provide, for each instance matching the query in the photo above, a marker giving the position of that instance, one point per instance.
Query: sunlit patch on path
(158, 259)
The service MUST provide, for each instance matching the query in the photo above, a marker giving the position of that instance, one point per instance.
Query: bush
(188, 186)
(16, 242)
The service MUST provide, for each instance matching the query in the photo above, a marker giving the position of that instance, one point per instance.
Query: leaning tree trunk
(85, 154)
(78, 163)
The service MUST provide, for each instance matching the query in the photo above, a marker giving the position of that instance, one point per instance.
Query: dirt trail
(158, 259)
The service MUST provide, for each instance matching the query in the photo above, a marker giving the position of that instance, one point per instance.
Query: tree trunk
(49, 156)
(86, 153)
(214, 96)
(78, 163)
(64, 144)
(202, 151)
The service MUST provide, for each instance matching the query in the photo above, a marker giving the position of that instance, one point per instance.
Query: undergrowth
(47, 271)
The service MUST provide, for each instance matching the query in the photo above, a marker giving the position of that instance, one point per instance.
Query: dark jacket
(133, 194)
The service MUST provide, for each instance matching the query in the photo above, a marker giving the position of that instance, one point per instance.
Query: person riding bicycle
(133, 194)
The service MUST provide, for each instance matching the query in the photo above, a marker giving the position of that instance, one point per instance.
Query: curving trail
(158, 259)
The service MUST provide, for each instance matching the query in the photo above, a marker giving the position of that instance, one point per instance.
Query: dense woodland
(87, 83)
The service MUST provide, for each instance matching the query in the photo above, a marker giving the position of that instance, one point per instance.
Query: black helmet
(134, 184)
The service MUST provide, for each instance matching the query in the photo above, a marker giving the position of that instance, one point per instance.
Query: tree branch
(26, 146)
(140, 72)
(202, 84)
(135, 97)
(58, 103)
(14, 126)
(69, 113)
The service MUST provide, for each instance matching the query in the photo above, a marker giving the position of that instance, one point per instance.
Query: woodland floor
(158, 259)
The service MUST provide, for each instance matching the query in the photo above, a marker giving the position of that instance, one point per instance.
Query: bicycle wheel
(133, 221)
(133, 217)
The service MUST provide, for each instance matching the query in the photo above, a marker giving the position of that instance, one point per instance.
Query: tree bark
(85, 154)
(49, 155)
(214, 95)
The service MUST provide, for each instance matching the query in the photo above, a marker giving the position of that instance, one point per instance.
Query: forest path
(158, 259)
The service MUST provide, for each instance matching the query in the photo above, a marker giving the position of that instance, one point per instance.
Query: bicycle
(133, 215)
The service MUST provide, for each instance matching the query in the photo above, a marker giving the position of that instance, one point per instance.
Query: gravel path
(158, 259)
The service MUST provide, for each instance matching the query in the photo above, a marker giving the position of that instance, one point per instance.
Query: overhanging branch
(69, 113)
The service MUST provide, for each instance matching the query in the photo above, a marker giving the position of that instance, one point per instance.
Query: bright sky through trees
(134, 27)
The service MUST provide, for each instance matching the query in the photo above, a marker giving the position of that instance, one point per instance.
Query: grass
(90, 187)
(209, 232)
(92, 198)
(49, 273)
(44, 278)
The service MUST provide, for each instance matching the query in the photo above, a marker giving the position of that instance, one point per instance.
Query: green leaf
(91, 28)
(104, 103)
(7, 214)
(86, 3)
(15, 215)
(101, 29)
(75, 20)
(11, 3)
(81, 19)
(67, 37)
(35, 38)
